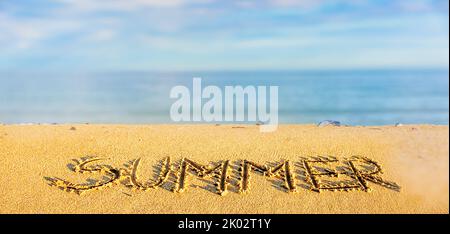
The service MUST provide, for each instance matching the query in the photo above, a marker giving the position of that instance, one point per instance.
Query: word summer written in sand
(322, 173)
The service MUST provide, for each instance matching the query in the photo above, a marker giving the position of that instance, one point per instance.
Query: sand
(40, 175)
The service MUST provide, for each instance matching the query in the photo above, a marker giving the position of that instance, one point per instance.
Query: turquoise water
(376, 97)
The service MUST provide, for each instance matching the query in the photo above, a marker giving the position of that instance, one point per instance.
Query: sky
(173, 35)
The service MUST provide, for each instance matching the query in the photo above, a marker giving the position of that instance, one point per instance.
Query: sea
(352, 97)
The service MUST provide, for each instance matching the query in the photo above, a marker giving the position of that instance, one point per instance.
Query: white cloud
(312, 4)
(297, 3)
(414, 6)
(124, 5)
(102, 35)
(25, 33)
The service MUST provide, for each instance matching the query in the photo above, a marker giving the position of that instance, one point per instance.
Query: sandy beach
(86, 168)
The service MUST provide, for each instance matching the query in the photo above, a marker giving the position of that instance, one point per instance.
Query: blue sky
(117, 35)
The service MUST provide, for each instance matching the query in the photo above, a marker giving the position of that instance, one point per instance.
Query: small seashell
(329, 123)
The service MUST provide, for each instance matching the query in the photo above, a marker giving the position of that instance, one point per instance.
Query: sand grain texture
(414, 157)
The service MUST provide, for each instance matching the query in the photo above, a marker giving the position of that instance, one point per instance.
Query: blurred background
(361, 62)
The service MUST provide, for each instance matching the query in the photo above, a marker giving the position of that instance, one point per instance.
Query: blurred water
(352, 97)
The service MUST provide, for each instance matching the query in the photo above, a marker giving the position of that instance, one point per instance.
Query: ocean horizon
(353, 97)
